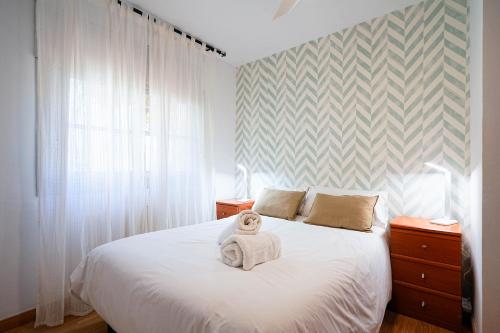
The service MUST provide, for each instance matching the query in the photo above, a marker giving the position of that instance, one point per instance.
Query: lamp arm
(447, 199)
(245, 179)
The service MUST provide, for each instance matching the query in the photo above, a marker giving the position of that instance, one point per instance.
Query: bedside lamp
(245, 180)
(446, 219)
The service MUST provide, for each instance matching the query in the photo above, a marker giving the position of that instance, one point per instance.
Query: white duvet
(327, 280)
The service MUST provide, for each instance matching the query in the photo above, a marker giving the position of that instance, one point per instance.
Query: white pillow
(381, 210)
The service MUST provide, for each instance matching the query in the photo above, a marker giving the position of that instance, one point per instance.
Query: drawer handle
(423, 276)
(423, 246)
(422, 304)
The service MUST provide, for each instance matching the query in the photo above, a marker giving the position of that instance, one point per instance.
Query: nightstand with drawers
(426, 265)
(226, 208)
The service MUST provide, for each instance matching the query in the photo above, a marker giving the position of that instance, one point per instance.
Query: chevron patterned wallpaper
(364, 108)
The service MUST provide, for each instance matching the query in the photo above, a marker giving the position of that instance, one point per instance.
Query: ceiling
(245, 30)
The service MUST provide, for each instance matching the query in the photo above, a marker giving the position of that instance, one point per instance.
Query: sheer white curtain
(181, 76)
(92, 69)
(112, 164)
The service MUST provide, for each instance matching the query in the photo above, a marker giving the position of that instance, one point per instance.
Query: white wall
(491, 167)
(18, 226)
(224, 124)
(485, 162)
(474, 235)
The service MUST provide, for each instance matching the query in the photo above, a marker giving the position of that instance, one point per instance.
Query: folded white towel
(247, 222)
(250, 250)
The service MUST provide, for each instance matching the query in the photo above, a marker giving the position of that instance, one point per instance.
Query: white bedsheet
(327, 280)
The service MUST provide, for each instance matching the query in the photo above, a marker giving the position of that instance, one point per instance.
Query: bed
(327, 280)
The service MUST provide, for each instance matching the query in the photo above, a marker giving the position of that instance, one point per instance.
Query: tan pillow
(353, 212)
(279, 203)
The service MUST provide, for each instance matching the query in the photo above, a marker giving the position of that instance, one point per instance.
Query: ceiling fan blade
(285, 7)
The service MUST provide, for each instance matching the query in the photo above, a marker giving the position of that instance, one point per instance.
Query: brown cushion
(353, 212)
(279, 203)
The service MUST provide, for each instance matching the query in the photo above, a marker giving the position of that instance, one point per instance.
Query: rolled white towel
(250, 250)
(247, 222)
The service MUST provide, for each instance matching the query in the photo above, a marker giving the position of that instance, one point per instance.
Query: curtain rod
(180, 32)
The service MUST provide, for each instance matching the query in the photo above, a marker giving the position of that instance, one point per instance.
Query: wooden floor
(94, 324)
(87, 324)
(394, 322)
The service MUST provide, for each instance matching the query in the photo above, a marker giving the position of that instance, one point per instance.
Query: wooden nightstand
(426, 262)
(226, 208)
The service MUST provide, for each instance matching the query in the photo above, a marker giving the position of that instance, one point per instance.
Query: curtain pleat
(181, 76)
(92, 69)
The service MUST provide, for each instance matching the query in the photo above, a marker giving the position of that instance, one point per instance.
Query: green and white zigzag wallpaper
(364, 108)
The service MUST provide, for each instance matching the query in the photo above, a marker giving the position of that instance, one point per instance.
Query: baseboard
(17, 320)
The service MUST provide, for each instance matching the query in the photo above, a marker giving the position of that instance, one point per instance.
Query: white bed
(327, 280)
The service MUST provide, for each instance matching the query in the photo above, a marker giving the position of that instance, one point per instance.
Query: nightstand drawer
(226, 211)
(428, 276)
(425, 246)
(440, 310)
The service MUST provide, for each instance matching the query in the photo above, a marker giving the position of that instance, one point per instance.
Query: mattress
(327, 280)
